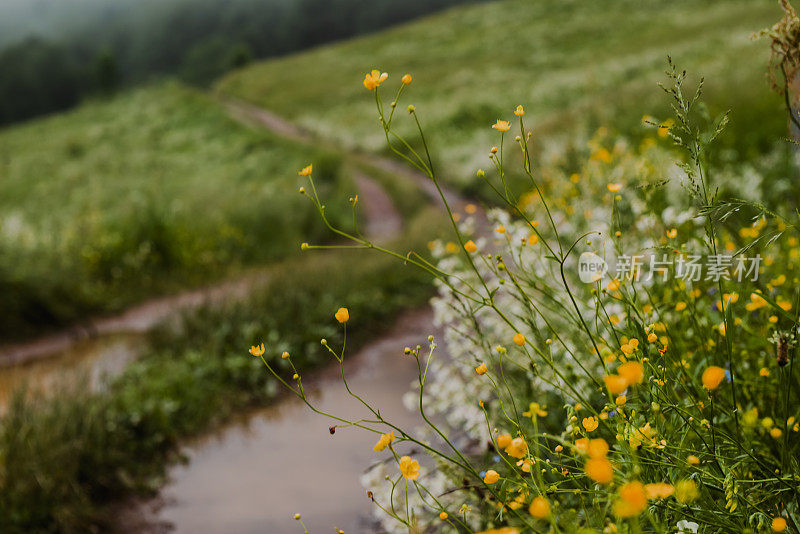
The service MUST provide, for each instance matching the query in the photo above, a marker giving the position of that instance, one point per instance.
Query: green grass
(571, 64)
(143, 194)
(65, 457)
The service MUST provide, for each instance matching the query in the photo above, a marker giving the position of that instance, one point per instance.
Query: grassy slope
(564, 61)
(149, 191)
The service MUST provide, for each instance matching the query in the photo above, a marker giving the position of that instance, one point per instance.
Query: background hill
(572, 64)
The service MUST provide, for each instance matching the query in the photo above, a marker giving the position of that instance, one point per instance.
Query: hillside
(571, 64)
(141, 194)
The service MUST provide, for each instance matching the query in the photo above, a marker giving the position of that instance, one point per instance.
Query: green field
(571, 64)
(143, 194)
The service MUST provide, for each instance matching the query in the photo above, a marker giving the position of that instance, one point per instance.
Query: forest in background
(55, 53)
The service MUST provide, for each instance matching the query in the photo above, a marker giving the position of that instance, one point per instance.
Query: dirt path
(39, 359)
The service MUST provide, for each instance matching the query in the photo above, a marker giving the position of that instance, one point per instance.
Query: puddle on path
(256, 473)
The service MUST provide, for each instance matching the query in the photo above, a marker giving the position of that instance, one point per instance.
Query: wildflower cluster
(618, 405)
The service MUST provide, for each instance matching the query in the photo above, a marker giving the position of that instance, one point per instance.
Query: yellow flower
(621, 400)
(632, 500)
(659, 490)
(443, 516)
(776, 432)
(686, 491)
(500, 229)
(533, 239)
(519, 112)
(502, 530)
(470, 246)
(763, 371)
(663, 129)
(406, 79)
(616, 384)
(373, 79)
(517, 448)
(613, 285)
(384, 441)
(519, 339)
(778, 524)
(672, 233)
(692, 459)
(652, 337)
(539, 508)
(680, 306)
(257, 350)
(409, 468)
(632, 372)
(481, 369)
(501, 126)
(342, 315)
(582, 445)
(600, 470)
(713, 376)
(503, 441)
(305, 171)
(614, 188)
(491, 477)
(590, 423)
(597, 448)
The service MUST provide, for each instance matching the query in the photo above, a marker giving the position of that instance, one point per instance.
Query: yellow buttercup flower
(692, 459)
(778, 524)
(519, 112)
(517, 448)
(501, 126)
(491, 477)
(384, 441)
(616, 384)
(600, 470)
(519, 339)
(342, 315)
(481, 369)
(306, 171)
(406, 79)
(659, 490)
(664, 127)
(539, 508)
(443, 516)
(470, 246)
(632, 500)
(257, 350)
(503, 441)
(713, 377)
(632, 371)
(409, 468)
(590, 423)
(597, 448)
(652, 337)
(614, 188)
(373, 79)
(672, 233)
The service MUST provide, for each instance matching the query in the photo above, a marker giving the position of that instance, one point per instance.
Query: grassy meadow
(142, 194)
(572, 65)
(158, 190)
